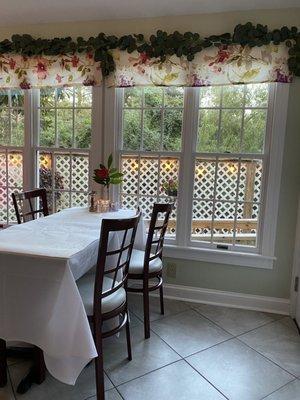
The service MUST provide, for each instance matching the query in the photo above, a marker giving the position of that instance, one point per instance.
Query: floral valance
(228, 64)
(18, 71)
(232, 64)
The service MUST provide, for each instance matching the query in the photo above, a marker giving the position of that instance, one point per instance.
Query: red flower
(12, 63)
(102, 173)
(75, 61)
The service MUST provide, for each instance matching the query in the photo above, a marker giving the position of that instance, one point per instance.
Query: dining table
(40, 304)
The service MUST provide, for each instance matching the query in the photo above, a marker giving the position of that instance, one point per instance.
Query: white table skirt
(39, 300)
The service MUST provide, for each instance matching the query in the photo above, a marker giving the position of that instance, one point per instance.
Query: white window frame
(54, 150)
(183, 247)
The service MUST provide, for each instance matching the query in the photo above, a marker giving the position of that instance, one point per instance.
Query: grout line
(208, 348)
(240, 334)
(119, 393)
(274, 391)
(147, 373)
(267, 358)
(203, 376)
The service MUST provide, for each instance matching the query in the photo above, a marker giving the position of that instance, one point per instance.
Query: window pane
(257, 95)
(172, 130)
(247, 224)
(132, 130)
(210, 96)
(204, 179)
(3, 204)
(153, 97)
(254, 130)
(152, 130)
(83, 96)
(11, 179)
(47, 97)
(130, 168)
(223, 224)
(233, 96)
(227, 179)
(83, 128)
(65, 97)
(231, 128)
(208, 131)
(146, 181)
(62, 200)
(80, 173)
(65, 127)
(4, 98)
(4, 127)
(132, 97)
(15, 169)
(17, 98)
(174, 97)
(47, 128)
(201, 221)
(250, 181)
(62, 170)
(17, 128)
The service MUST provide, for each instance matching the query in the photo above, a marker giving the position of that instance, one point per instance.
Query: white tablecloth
(39, 300)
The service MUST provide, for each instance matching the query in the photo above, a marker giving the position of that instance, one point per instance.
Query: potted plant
(108, 175)
(170, 187)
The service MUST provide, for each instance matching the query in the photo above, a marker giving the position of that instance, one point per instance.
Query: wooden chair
(146, 265)
(25, 204)
(104, 292)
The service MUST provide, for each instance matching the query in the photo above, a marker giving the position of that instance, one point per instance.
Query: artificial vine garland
(159, 45)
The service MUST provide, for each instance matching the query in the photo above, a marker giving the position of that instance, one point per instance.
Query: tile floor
(196, 352)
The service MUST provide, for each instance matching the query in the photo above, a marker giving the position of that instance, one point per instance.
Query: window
(63, 144)
(215, 142)
(229, 161)
(11, 150)
(151, 146)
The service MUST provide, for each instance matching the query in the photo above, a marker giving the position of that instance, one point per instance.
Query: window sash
(187, 157)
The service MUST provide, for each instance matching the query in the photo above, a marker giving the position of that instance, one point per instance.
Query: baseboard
(228, 299)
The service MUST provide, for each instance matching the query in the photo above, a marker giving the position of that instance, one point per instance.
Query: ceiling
(16, 12)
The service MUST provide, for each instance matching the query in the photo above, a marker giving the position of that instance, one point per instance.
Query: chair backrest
(30, 204)
(115, 247)
(157, 230)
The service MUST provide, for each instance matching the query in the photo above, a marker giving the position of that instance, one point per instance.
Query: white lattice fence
(71, 180)
(11, 179)
(143, 179)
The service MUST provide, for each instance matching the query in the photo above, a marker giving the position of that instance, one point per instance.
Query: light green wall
(274, 282)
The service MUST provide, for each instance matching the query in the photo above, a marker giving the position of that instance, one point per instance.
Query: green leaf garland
(160, 45)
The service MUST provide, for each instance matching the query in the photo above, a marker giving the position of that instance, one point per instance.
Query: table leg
(37, 373)
(3, 363)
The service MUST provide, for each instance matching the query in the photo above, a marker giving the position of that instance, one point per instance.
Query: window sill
(219, 256)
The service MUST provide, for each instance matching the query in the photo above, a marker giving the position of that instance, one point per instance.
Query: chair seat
(136, 265)
(109, 303)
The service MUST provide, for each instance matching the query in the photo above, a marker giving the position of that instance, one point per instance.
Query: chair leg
(161, 295)
(128, 338)
(146, 310)
(99, 370)
(39, 365)
(3, 363)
